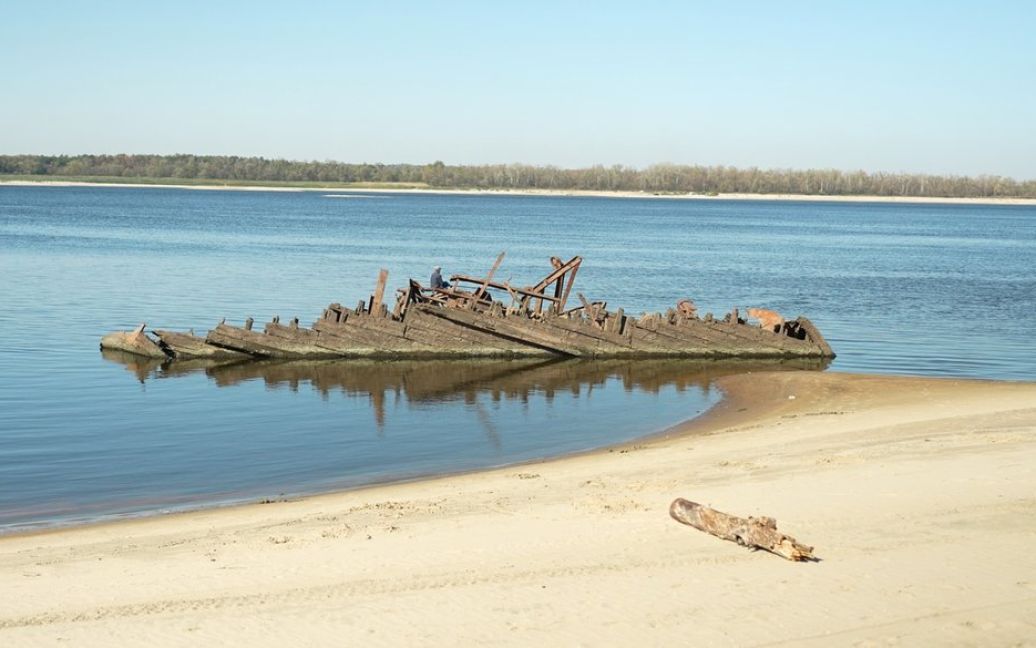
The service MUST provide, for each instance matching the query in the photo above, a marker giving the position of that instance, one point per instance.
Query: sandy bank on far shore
(545, 192)
(918, 495)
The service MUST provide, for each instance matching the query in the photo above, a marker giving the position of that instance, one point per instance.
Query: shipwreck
(482, 317)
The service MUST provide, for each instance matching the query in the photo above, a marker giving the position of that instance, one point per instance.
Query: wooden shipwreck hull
(470, 319)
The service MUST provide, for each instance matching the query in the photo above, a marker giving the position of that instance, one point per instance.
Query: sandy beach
(918, 494)
(332, 191)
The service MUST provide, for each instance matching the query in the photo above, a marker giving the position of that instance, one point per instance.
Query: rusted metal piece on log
(136, 342)
(758, 533)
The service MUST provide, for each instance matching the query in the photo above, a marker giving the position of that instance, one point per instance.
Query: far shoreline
(366, 190)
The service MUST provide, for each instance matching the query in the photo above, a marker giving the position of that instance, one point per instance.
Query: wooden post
(571, 279)
(379, 291)
(559, 285)
(588, 308)
(759, 533)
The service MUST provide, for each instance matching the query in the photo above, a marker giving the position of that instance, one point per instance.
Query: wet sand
(918, 494)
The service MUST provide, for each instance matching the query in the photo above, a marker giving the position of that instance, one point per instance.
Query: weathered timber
(602, 341)
(759, 533)
(462, 340)
(813, 335)
(721, 338)
(522, 330)
(261, 345)
(527, 293)
(188, 345)
(379, 291)
(363, 335)
(419, 335)
(453, 322)
(136, 342)
(306, 342)
(767, 339)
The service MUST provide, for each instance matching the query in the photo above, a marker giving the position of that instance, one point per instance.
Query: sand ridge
(918, 494)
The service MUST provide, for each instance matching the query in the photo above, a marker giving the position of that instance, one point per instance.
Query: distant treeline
(660, 178)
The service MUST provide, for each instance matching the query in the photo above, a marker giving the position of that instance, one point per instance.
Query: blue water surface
(940, 290)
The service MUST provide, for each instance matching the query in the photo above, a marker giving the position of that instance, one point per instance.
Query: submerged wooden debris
(759, 533)
(136, 342)
(483, 317)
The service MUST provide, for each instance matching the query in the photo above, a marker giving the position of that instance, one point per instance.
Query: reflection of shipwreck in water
(482, 317)
(437, 381)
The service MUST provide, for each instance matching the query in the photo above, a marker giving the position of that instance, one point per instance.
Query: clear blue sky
(940, 87)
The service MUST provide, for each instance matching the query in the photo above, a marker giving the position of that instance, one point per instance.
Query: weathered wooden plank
(260, 344)
(306, 342)
(187, 345)
(559, 271)
(760, 338)
(379, 291)
(440, 331)
(461, 341)
(604, 342)
(527, 292)
(569, 280)
(444, 333)
(520, 330)
(366, 339)
(813, 336)
(351, 343)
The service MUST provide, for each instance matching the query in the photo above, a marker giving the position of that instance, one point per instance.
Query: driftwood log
(760, 533)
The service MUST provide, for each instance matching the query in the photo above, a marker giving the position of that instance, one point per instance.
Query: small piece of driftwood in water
(760, 533)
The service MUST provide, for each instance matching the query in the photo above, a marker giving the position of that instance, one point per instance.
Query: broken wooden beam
(188, 345)
(136, 342)
(379, 291)
(759, 533)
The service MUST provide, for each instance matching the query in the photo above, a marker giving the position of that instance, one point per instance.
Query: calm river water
(915, 289)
